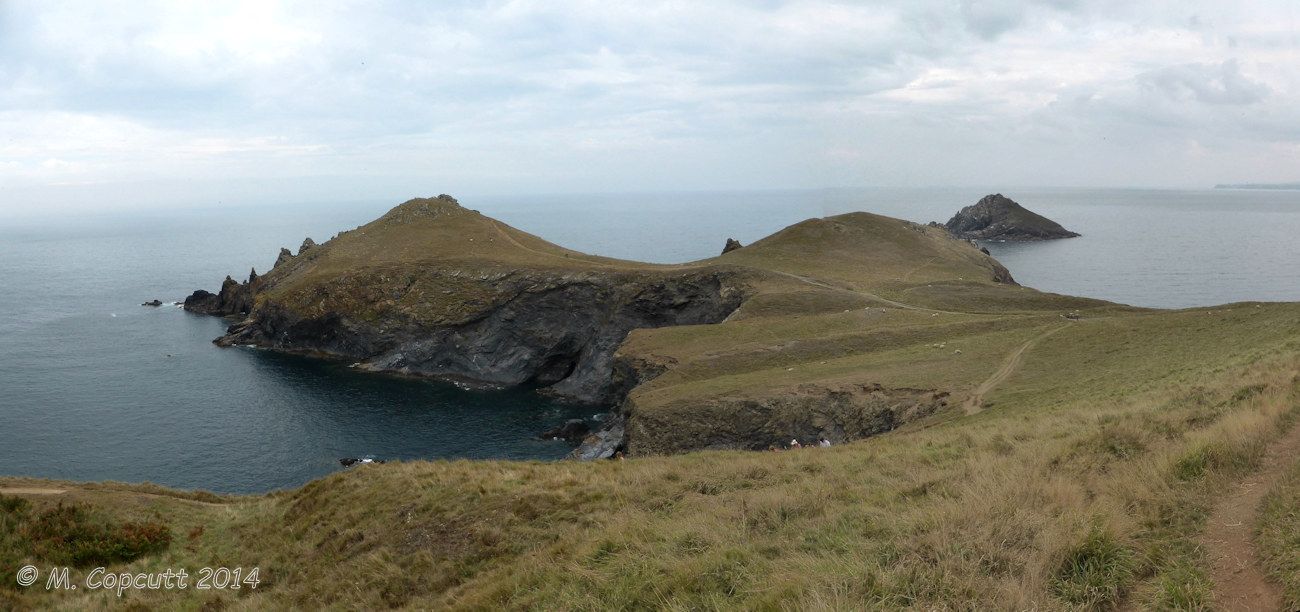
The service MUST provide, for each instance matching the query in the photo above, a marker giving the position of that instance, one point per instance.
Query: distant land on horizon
(1258, 186)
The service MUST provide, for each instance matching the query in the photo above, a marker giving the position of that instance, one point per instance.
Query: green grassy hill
(990, 454)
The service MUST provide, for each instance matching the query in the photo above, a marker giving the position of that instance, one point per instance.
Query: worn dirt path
(31, 491)
(799, 277)
(91, 492)
(975, 403)
(1229, 539)
(511, 239)
(908, 276)
(895, 304)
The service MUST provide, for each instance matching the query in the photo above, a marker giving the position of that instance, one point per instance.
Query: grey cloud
(989, 19)
(1206, 83)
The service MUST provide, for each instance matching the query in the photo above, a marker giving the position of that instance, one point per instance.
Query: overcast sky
(129, 103)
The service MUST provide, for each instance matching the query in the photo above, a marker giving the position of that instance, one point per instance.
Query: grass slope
(1082, 480)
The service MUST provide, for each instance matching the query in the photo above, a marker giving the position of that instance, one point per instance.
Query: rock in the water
(732, 244)
(153, 303)
(572, 431)
(604, 443)
(351, 461)
(234, 298)
(996, 217)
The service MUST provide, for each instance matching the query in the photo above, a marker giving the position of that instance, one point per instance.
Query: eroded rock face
(732, 244)
(840, 414)
(996, 217)
(554, 329)
(604, 443)
(234, 298)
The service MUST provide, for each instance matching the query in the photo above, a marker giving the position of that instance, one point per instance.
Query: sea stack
(999, 218)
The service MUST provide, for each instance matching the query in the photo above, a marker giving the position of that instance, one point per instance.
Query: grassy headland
(1033, 461)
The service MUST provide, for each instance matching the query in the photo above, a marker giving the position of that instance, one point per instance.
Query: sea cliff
(435, 289)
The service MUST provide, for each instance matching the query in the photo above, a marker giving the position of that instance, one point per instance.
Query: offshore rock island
(999, 218)
(690, 356)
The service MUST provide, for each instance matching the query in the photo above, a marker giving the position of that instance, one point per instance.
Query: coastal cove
(97, 387)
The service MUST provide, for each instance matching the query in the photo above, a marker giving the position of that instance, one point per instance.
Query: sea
(95, 386)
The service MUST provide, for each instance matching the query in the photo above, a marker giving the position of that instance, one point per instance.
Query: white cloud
(586, 95)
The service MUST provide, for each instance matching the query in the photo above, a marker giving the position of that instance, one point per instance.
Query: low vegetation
(1073, 465)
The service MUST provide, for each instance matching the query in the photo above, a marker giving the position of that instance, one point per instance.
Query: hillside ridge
(432, 288)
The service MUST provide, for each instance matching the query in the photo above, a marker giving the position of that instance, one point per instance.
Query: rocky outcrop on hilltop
(998, 218)
(732, 244)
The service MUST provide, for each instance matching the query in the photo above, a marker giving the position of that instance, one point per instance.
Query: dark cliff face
(842, 413)
(996, 217)
(434, 289)
(556, 330)
(234, 298)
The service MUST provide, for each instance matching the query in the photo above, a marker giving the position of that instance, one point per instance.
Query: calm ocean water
(94, 386)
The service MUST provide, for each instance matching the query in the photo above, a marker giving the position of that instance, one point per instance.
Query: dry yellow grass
(1085, 503)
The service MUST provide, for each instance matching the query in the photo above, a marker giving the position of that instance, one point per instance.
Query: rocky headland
(434, 289)
(999, 218)
(727, 352)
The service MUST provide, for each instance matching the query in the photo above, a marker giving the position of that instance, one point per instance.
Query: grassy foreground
(1072, 490)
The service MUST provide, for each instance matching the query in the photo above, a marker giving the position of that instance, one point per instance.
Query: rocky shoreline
(432, 289)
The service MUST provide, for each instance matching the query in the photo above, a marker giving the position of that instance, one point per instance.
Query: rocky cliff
(840, 413)
(557, 329)
(446, 309)
(998, 218)
(710, 354)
